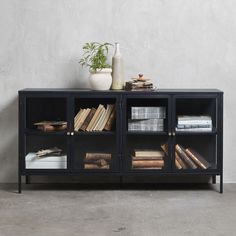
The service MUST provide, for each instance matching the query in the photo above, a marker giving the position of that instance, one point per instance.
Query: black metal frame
(120, 166)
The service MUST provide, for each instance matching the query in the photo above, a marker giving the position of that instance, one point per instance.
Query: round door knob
(169, 133)
(72, 133)
(68, 133)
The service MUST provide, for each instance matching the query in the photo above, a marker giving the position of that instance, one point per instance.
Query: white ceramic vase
(101, 79)
(117, 69)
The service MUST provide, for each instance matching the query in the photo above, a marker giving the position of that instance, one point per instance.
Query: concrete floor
(41, 211)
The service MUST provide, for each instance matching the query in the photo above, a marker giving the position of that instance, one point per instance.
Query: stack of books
(51, 158)
(189, 159)
(194, 123)
(147, 119)
(49, 126)
(147, 159)
(139, 84)
(91, 119)
(97, 161)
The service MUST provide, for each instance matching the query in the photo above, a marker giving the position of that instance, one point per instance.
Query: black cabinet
(120, 141)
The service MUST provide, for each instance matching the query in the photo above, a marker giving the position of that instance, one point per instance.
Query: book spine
(110, 121)
(185, 157)
(198, 159)
(95, 167)
(148, 163)
(96, 156)
(88, 119)
(147, 153)
(180, 161)
(142, 158)
(177, 165)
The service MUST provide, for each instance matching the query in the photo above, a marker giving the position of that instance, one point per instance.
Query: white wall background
(178, 43)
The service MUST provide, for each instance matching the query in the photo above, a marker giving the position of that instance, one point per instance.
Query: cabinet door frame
(217, 133)
(96, 95)
(125, 162)
(23, 96)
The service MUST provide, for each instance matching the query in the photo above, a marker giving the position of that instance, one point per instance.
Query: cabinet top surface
(158, 91)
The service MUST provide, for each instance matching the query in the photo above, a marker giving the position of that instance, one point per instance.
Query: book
(88, 119)
(79, 117)
(97, 116)
(95, 166)
(194, 120)
(109, 109)
(99, 119)
(180, 161)
(147, 153)
(194, 130)
(93, 118)
(147, 157)
(99, 162)
(83, 117)
(164, 147)
(181, 151)
(48, 126)
(111, 120)
(148, 113)
(147, 163)
(177, 164)
(198, 159)
(97, 156)
(189, 126)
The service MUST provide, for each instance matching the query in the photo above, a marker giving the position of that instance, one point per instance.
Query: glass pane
(52, 110)
(93, 152)
(95, 114)
(46, 152)
(196, 152)
(147, 115)
(147, 152)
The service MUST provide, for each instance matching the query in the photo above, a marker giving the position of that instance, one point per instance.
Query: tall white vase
(117, 69)
(101, 79)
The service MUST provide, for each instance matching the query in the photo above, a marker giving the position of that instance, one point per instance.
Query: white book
(49, 162)
(195, 130)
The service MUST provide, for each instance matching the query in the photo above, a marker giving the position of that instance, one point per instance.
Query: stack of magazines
(147, 119)
(194, 123)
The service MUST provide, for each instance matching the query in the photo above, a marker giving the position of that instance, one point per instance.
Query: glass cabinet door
(195, 131)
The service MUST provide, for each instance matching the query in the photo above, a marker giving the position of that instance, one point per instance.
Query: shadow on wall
(9, 142)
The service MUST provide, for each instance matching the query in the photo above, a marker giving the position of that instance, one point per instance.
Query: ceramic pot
(101, 79)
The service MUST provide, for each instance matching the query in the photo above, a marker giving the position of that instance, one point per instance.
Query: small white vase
(101, 79)
(117, 69)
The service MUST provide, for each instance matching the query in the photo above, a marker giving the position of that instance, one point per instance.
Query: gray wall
(179, 44)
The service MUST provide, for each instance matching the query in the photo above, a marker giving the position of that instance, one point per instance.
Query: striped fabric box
(148, 113)
(146, 125)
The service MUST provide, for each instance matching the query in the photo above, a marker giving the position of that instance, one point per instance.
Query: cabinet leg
(221, 183)
(19, 183)
(213, 179)
(27, 179)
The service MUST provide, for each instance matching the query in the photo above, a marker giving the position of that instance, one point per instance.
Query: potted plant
(95, 58)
